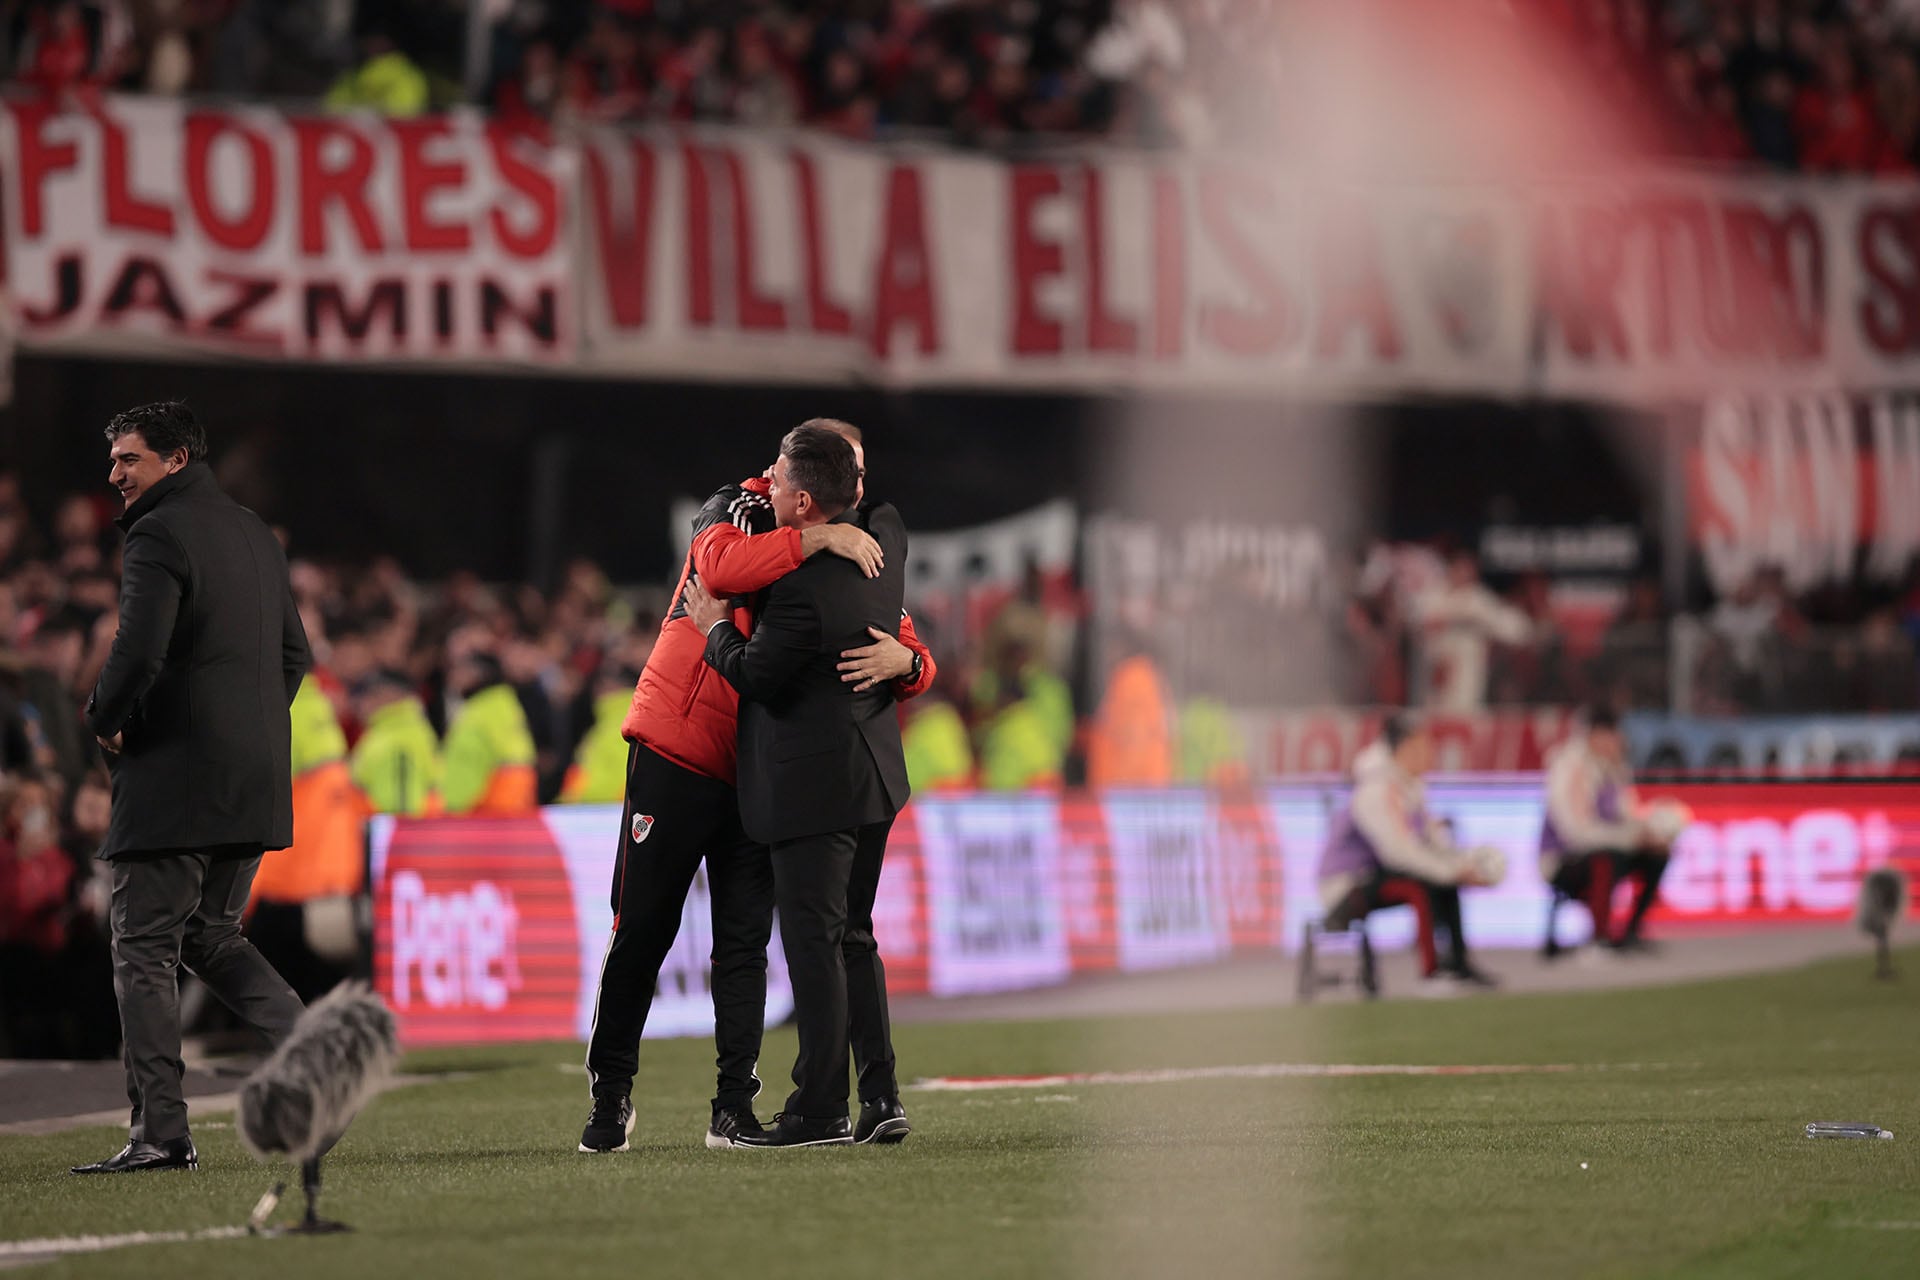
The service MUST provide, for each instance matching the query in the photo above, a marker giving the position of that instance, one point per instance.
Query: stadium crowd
(1817, 85)
(966, 70)
(1820, 86)
(1425, 629)
(463, 696)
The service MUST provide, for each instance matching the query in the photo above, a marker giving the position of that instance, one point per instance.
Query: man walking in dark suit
(191, 709)
(821, 776)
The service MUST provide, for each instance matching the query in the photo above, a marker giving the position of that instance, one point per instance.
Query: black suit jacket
(814, 755)
(209, 654)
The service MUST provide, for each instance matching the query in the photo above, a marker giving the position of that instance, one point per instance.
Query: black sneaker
(882, 1120)
(799, 1131)
(730, 1125)
(608, 1126)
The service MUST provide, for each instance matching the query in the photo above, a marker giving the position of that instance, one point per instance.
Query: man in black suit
(821, 776)
(191, 709)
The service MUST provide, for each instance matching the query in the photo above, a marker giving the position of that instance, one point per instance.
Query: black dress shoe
(138, 1157)
(731, 1125)
(799, 1131)
(882, 1120)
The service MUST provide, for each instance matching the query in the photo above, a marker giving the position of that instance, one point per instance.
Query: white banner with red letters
(162, 226)
(806, 258)
(1824, 487)
(801, 257)
(152, 225)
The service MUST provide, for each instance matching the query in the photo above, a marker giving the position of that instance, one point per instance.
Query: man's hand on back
(885, 659)
(703, 608)
(847, 542)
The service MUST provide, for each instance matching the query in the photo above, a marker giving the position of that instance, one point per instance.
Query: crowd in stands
(465, 697)
(1427, 630)
(964, 69)
(457, 697)
(1821, 86)
(1764, 649)
(1818, 85)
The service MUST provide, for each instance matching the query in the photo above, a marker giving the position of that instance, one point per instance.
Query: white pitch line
(20, 1252)
(1254, 1071)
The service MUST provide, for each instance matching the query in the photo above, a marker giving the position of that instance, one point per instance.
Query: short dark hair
(1601, 716)
(350, 626)
(165, 425)
(837, 426)
(381, 678)
(820, 462)
(487, 671)
(1398, 727)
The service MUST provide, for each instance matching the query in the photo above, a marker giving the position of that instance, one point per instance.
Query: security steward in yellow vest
(396, 762)
(489, 756)
(939, 753)
(598, 774)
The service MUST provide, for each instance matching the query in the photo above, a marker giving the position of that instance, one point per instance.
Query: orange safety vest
(512, 789)
(328, 857)
(1131, 744)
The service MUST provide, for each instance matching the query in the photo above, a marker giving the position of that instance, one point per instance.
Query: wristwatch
(913, 673)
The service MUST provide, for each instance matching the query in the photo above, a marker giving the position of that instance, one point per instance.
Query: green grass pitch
(1687, 1106)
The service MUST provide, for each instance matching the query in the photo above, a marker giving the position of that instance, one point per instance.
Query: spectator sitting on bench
(1386, 852)
(1596, 833)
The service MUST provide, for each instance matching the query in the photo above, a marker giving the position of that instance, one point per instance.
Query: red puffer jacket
(682, 708)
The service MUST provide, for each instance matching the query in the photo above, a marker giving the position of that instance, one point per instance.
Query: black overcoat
(814, 755)
(209, 654)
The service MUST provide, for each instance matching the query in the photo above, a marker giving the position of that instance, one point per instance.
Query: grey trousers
(171, 909)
